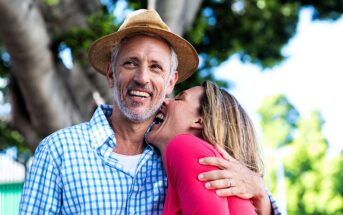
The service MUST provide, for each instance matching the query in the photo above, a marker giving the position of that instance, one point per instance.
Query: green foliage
(270, 174)
(52, 2)
(278, 121)
(313, 180)
(304, 168)
(257, 30)
(309, 145)
(332, 189)
(328, 9)
(80, 39)
(10, 137)
(137, 4)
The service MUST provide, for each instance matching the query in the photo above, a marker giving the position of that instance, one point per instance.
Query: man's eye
(156, 67)
(129, 63)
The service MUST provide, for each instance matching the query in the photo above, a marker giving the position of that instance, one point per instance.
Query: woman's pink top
(186, 194)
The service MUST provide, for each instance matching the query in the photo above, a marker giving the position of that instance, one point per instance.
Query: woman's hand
(235, 179)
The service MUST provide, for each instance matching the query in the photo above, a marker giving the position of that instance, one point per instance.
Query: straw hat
(143, 20)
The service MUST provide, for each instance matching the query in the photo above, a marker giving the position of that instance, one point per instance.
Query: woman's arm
(181, 159)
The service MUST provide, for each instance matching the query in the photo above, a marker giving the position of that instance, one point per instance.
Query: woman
(191, 124)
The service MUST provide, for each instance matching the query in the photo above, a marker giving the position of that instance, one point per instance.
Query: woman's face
(180, 115)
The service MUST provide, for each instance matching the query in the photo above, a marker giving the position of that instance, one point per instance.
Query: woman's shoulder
(189, 143)
(186, 141)
(187, 137)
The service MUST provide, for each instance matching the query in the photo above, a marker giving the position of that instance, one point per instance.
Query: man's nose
(142, 75)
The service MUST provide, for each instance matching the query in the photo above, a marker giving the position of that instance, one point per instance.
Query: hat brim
(99, 54)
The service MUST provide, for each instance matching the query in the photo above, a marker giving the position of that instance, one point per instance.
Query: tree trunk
(178, 14)
(45, 98)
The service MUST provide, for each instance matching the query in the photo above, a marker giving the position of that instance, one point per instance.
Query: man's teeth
(160, 117)
(139, 93)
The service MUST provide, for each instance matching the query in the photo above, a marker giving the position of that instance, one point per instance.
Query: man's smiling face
(142, 78)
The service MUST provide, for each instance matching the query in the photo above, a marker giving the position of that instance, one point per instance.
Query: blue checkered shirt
(74, 172)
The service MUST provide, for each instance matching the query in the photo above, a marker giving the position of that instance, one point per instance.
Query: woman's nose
(166, 101)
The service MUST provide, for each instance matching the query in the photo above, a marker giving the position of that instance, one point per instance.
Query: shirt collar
(100, 127)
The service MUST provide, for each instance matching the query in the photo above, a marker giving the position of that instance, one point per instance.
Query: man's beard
(131, 115)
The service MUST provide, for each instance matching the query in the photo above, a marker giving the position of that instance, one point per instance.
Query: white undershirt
(128, 162)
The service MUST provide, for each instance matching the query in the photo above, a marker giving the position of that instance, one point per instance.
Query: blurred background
(282, 60)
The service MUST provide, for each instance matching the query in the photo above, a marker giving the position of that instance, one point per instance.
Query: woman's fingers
(220, 184)
(232, 178)
(214, 175)
(215, 161)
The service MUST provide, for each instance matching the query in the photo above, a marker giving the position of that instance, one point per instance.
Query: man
(104, 166)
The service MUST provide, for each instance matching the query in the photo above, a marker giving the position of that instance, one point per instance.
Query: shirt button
(132, 211)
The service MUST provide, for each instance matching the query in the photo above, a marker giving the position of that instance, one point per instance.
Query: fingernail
(208, 185)
(201, 160)
(201, 176)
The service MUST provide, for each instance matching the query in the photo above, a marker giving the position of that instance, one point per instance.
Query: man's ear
(109, 75)
(198, 123)
(172, 83)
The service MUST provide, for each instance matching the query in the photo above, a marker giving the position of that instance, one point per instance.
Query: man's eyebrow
(155, 61)
(131, 58)
(159, 62)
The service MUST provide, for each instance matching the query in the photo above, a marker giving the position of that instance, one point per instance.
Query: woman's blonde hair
(226, 123)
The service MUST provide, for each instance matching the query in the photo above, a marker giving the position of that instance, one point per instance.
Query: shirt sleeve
(42, 193)
(183, 167)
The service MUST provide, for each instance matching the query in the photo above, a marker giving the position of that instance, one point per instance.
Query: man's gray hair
(174, 61)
